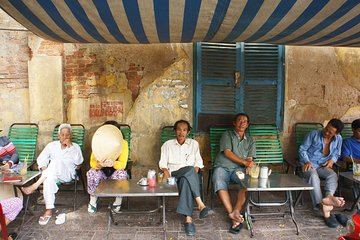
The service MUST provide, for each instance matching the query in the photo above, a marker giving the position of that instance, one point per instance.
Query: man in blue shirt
(320, 150)
(351, 146)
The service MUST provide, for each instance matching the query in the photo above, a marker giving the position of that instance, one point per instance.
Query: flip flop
(60, 219)
(236, 230)
(92, 209)
(12, 236)
(43, 220)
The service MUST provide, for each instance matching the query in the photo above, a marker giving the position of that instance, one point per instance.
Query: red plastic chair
(3, 223)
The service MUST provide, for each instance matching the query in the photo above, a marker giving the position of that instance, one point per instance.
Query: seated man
(180, 158)
(58, 162)
(237, 151)
(351, 146)
(319, 151)
(8, 154)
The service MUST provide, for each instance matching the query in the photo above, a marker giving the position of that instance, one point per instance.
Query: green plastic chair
(24, 138)
(268, 146)
(301, 130)
(347, 131)
(167, 133)
(126, 131)
(215, 135)
(78, 133)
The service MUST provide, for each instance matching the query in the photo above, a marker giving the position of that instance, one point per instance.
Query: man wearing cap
(8, 155)
(58, 162)
(180, 158)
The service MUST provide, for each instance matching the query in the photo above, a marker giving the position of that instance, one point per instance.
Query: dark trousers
(189, 189)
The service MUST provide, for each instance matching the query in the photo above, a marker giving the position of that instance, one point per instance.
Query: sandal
(60, 219)
(236, 229)
(43, 220)
(12, 236)
(116, 208)
(91, 209)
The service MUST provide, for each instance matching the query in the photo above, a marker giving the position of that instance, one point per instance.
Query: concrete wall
(321, 83)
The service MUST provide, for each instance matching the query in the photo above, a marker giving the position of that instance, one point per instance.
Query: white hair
(64, 125)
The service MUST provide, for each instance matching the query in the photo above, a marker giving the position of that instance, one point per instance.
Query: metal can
(171, 180)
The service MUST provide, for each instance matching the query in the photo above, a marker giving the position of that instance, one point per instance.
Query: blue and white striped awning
(288, 22)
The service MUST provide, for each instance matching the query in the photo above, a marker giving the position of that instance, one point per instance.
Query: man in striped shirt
(8, 155)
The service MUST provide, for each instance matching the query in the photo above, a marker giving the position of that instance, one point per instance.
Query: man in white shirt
(180, 158)
(58, 162)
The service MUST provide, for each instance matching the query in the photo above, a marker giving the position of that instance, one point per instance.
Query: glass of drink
(254, 171)
(356, 169)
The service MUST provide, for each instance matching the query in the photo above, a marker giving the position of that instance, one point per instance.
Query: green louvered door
(238, 77)
(262, 67)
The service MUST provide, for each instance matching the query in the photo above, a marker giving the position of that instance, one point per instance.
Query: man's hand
(5, 166)
(307, 166)
(328, 164)
(166, 174)
(67, 142)
(248, 162)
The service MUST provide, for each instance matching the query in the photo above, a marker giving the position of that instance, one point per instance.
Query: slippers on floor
(342, 219)
(12, 236)
(43, 220)
(60, 219)
(205, 212)
(236, 230)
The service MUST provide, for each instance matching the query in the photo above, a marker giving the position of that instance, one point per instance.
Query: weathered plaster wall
(321, 83)
(14, 54)
(146, 86)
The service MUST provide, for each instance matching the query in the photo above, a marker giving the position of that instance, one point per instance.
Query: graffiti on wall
(106, 109)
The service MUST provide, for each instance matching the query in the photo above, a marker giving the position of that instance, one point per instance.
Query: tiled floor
(80, 225)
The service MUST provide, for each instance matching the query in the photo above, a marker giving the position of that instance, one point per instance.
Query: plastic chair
(126, 131)
(24, 137)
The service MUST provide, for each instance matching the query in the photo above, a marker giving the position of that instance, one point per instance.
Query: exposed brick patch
(134, 74)
(80, 71)
(14, 60)
(50, 48)
(106, 109)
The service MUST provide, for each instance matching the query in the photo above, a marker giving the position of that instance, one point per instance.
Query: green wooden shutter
(217, 69)
(262, 67)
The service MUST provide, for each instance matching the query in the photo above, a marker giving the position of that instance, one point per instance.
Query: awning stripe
(29, 15)
(191, 14)
(83, 19)
(219, 15)
(306, 16)
(108, 19)
(281, 10)
(341, 30)
(161, 10)
(133, 15)
(251, 9)
(54, 14)
(291, 22)
(347, 6)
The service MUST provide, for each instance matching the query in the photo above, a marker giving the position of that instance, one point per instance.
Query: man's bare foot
(326, 209)
(333, 201)
(28, 190)
(236, 217)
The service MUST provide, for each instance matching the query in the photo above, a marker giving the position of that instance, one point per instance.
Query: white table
(275, 183)
(130, 188)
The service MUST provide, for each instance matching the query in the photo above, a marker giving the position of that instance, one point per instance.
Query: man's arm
(163, 163)
(198, 159)
(233, 157)
(304, 158)
(78, 157)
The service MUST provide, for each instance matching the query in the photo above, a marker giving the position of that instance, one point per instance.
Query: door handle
(237, 80)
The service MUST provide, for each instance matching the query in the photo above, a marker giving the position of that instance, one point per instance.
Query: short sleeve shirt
(242, 148)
